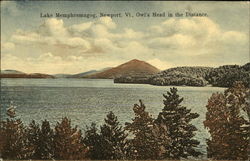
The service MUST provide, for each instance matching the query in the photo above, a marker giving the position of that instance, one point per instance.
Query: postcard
(125, 80)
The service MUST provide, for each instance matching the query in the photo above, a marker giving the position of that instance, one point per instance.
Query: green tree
(110, 143)
(227, 120)
(46, 145)
(93, 141)
(113, 138)
(146, 141)
(68, 141)
(33, 131)
(13, 137)
(40, 140)
(175, 120)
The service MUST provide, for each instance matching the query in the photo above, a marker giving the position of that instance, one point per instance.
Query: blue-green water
(89, 100)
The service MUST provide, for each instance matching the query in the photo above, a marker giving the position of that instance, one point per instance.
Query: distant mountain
(104, 69)
(133, 68)
(18, 74)
(80, 75)
(9, 71)
(62, 75)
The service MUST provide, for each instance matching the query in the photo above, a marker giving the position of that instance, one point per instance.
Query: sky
(34, 44)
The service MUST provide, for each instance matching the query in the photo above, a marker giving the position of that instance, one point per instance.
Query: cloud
(52, 34)
(52, 64)
(10, 61)
(78, 42)
(78, 28)
(89, 38)
(54, 28)
(192, 36)
(108, 22)
(233, 37)
(128, 34)
(175, 41)
(26, 37)
(104, 45)
(48, 57)
(99, 42)
(162, 65)
(7, 46)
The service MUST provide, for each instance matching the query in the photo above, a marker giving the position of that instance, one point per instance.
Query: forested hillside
(223, 76)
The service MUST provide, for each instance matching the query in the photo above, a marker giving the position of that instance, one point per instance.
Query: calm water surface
(89, 100)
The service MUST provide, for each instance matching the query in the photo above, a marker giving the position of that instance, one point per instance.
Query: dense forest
(168, 136)
(226, 75)
(189, 76)
(223, 76)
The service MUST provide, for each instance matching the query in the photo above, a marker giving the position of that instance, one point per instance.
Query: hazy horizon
(112, 67)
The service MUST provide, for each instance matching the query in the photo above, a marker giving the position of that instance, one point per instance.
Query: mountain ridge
(9, 73)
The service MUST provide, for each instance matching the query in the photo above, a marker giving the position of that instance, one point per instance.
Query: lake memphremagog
(89, 100)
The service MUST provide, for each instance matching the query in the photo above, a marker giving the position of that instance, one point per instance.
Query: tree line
(223, 76)
(168, 136)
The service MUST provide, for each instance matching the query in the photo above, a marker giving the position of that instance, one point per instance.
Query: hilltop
(18, 74)
(133, 68)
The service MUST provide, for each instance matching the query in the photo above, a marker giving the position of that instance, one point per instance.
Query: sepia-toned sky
(31, 44)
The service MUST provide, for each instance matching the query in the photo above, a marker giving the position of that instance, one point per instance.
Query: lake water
(89, 100)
